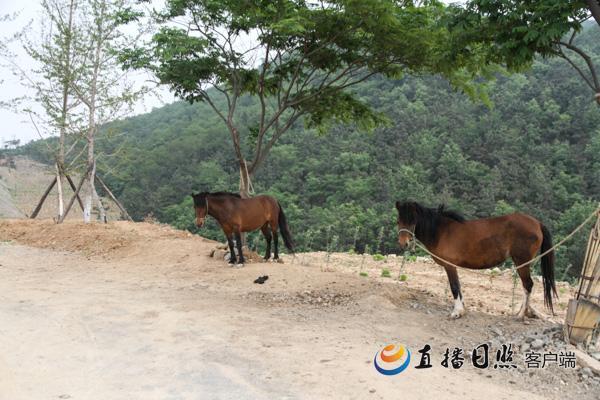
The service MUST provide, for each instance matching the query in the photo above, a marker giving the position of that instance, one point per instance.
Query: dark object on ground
(261, 279)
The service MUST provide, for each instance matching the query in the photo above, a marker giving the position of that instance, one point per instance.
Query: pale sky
(18, 126)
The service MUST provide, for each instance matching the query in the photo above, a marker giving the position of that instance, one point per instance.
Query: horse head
(407, 220)
(201, 207)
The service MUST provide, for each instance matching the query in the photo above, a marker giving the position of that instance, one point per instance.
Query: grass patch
(403, 277)
(378, 257)
(363, 274)
(562, 290)
(385, 273)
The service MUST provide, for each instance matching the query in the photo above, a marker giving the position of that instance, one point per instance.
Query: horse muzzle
(199, 222)
(403, 246)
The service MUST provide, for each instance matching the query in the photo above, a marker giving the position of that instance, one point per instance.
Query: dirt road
(141, 312)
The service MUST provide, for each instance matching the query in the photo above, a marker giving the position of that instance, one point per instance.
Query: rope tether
(250, 186)
(515, 268)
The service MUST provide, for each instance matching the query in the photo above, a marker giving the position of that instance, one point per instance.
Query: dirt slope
(21, 188)
(139, 311)
(8, 209)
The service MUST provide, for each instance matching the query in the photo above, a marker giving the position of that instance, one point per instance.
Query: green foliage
(403, 278)
(384, 36)
(299, 61)
(411, 258)
(518, 30)
(571, 218)
(363, 274)
(514, 32)
(378, 257)
(385, 273)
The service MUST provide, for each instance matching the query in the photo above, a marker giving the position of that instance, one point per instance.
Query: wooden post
(583, 312)
(114, 198)
(75, 195)
(74, 190)
(37, 209)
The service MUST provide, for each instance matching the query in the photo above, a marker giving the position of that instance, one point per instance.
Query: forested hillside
(536, 150)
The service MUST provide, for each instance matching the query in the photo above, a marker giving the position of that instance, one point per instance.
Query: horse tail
(548, 268)
(285, 230)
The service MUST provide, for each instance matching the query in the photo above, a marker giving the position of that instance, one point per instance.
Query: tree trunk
(75, 195)
(88, 203)
(59, 187)
(60, 162)
(246, 190)
(92, 128)
(101, 209)
(91, 173)
(73, 187)
(594, 6)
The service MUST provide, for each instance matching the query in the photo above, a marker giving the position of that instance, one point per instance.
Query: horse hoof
(457, 314)
(239, 265)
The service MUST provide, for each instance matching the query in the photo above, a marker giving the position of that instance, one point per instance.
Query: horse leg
(459, 307)
(232, 259)
(526, 310)
(267, 234)
(275, 242)
(238, 240)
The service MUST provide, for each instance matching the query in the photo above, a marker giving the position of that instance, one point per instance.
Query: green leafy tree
(50, 79)
(104, 91)
(514, 32)
(298, 59)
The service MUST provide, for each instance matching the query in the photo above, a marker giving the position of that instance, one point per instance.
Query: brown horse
(478, 244)
(237, 215)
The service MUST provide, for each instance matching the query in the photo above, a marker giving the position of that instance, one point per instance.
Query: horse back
(486, 242)
(510, 228)
(254, 212)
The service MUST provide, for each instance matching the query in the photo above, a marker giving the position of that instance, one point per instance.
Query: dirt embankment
(138, 310)
(23, 183)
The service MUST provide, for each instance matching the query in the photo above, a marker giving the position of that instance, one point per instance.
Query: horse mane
(456, 216)
(200, 198)
(225, 194)
(427, 220)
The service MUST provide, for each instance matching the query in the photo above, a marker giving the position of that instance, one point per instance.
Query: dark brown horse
(478, 244)
(237, 215)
